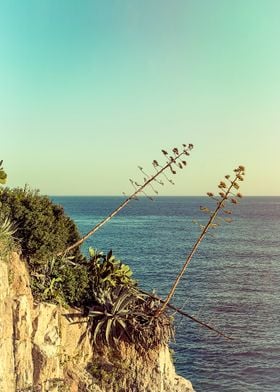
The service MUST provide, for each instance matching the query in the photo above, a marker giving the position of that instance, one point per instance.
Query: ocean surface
(232, 282)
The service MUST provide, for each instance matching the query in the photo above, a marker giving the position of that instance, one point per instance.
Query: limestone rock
(130, 370)
(46, 345)
(41, 349)
(22, 342)
(7, 373)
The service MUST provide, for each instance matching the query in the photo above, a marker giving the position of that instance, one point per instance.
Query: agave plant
(128, 315)
(7, 230)
(106, 273)
(3, 175)
(111, 319)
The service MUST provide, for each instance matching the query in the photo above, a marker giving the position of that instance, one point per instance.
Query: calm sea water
(232, 282)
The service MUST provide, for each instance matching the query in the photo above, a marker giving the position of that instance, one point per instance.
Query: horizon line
(143, 196)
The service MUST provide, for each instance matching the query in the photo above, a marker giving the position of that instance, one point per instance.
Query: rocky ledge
(41, 349)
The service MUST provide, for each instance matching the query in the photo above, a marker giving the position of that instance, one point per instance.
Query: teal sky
(91, 89)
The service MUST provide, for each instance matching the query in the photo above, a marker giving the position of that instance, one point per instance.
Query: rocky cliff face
(42, 350)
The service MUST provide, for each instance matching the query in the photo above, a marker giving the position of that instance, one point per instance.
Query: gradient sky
(91, 89)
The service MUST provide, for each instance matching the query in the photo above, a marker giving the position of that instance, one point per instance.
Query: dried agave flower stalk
(174, 160)
(227, 194)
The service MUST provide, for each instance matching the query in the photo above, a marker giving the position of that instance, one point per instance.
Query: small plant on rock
(3, 175)
(106, 273)
(7, 231)
(128, 315)
(7, 228)
(111, 319)
(61, 281)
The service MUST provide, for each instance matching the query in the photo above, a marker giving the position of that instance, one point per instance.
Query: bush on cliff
(101, 283)
(43, 229)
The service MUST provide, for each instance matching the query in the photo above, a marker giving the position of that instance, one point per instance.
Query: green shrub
(42, 226)
(43, 230)
(80, 282)
(105, 273)
(61, 281)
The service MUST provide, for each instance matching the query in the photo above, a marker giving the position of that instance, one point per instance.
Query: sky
(91, 89)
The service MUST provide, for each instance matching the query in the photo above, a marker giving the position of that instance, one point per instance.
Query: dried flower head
(222, 185)
(228, 220)
(155, 163)
(235, 185)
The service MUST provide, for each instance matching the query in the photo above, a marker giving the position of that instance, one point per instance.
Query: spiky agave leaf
(109, 323)
(3, 176)
(7, 227)
(97, 330)
(121, 304)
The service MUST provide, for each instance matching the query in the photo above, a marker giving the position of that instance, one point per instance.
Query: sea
(231, 283)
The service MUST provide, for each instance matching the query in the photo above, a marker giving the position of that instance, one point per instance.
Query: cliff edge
(44, 348)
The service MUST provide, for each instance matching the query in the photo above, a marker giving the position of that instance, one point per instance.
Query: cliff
(41, 349)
